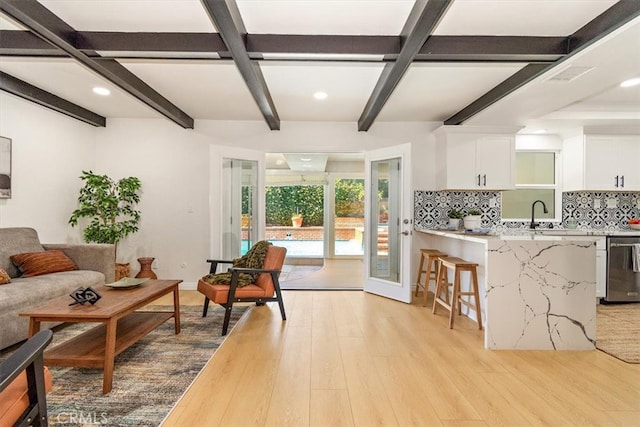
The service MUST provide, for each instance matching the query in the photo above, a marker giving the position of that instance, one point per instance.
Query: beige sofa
(95, 263)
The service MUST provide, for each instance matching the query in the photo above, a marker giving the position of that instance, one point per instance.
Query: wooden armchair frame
(233, 288)
(29, 358)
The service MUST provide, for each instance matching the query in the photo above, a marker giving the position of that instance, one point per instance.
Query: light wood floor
(334, 274)
(353, 358)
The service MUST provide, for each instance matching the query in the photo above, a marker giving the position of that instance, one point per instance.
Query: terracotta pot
(145, 268)
(296, 221)
(122, 270)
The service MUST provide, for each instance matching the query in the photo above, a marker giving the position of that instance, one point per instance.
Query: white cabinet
(601, 273)
(474, 159)
(602, 163)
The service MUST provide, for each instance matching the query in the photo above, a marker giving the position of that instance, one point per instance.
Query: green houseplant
(455, 216)
(110, 206)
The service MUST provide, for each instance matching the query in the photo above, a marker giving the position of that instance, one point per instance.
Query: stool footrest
(468, 304)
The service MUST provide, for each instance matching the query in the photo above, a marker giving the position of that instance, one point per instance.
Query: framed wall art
(5, 168)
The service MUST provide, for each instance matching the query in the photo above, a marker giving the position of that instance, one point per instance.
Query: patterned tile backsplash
(591, 210)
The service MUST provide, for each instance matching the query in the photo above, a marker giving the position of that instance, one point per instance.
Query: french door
(388, 222)
(237, 190)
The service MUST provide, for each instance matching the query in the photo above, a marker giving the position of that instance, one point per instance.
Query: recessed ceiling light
(305, 159)
(320, 95)
(630, 82)
(101, 91)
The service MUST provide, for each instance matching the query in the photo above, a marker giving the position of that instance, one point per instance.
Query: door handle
(405, 233)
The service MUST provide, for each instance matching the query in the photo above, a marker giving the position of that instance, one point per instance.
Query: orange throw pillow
(4, 277)
(37, 263)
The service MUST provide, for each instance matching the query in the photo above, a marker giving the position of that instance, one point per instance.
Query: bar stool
(431, 257)
(458, 265)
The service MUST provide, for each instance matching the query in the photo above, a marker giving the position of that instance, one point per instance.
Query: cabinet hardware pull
(622, 181)
(616, 181)
(484, 179)
(478, 180)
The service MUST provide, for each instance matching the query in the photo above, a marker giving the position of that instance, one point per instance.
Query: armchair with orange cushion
(255, 283)
(24, 382)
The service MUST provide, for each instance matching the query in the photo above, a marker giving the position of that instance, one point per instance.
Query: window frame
(557, 187)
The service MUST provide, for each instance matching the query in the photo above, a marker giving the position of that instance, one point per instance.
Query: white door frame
(217, 154)
(400, 290)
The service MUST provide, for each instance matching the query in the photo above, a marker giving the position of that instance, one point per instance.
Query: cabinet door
(629, 160)
(611, 163)
(601, 164)
(461, 163)
(495, 160)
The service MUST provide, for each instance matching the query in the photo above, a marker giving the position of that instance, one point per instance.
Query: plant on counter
(472, 219)
(455, 214)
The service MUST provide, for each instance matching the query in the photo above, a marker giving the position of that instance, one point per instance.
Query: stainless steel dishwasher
(623, 283)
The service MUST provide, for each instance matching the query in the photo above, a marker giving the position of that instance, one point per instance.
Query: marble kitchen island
(536, 291)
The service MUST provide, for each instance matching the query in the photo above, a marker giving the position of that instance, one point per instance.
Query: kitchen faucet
(533, 205)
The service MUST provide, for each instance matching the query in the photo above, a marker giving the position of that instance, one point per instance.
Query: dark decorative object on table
(82, 295)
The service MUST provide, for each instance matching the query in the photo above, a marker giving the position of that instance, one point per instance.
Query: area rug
(148, 379)
(618, 331)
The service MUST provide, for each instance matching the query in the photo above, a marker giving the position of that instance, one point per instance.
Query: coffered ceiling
(479, 62)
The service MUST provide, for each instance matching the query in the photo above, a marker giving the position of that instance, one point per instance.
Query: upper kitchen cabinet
(602, 163)
(475, 158)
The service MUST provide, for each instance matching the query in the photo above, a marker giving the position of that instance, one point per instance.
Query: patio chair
(24, 382)
(265, 288)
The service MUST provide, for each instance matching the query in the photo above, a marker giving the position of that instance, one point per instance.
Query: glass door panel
(240, 206)
(349, 217)
(383, 235)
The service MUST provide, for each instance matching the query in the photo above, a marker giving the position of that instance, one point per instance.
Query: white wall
(173, 165)
(49, 152)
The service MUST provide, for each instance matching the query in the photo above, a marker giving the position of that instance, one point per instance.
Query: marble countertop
(520, 234)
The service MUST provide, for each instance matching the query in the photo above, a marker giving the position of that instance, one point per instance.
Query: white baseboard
(188, 286)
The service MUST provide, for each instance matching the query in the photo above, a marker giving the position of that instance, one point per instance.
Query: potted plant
(455, 216)
(296, 220)
(110, 206)
(245, 220)
(472, 219)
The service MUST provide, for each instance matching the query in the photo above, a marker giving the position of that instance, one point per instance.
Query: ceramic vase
(145, 268)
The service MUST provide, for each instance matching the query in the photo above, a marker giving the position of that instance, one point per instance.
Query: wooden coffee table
(121, 326)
